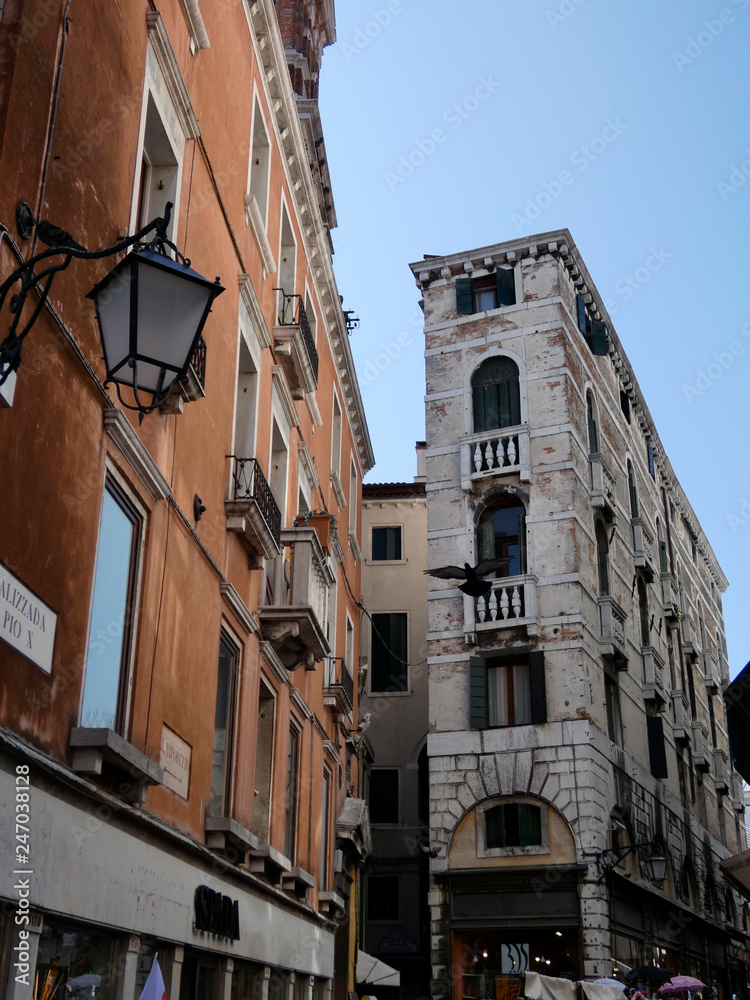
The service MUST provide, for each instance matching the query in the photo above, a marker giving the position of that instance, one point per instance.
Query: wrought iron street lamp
(151, 309)
(655, 865)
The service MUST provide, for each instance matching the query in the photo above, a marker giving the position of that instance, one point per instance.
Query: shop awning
(374, 972)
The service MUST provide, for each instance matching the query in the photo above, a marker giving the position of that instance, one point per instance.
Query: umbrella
(649, 975)
(81, 982)
(610, 982)
(680, 984)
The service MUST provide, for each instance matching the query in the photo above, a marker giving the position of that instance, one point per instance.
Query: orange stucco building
(178, 595)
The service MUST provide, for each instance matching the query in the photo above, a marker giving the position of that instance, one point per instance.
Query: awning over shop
(737, 699)
(374, 972)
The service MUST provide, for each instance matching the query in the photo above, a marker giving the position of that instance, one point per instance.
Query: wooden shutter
(464, 297)
(506, 287)
(599, 338)
(538, 688)
(657, 753)
(522, 544)
(477, 693)
(581, 306)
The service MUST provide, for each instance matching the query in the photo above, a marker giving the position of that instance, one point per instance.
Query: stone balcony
(654, 686)
(710, 670)
(510, 603)
(296, 624)
(669, 599)
(644, 552)
(612, 620)
(603, 487)
(681, 726)
(690, 641)
(499, 452)
(720, 770)
(338, 687)
(702, 755)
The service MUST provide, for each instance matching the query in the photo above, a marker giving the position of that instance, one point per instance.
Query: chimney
(421, 476)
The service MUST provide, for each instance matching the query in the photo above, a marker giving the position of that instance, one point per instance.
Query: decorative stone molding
(170, 69)
(121, 431)
(238, 607)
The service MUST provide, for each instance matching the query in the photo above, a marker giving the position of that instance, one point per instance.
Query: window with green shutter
(507, 690)
(496, 394)
(386, 544)
(593, 330)
(491, 291)
(513, 824)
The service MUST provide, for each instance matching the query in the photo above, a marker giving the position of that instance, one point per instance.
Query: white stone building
(576, 725)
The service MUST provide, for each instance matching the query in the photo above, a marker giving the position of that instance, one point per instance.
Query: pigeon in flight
(53, 236)
(473, 585)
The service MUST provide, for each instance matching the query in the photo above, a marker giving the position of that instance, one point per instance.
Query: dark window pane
(513, 824)
(222, 730)
(382, 897)
(500, 533)
(388, 653)
(496, 394)
(386, 543)
(110, 615)
(292, 770)
(384, 795)
(494, 827)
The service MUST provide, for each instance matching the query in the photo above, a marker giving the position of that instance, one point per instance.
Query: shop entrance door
(199, 977)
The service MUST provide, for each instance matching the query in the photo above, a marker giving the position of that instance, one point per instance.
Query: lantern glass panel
(113, 309)
(170, 310)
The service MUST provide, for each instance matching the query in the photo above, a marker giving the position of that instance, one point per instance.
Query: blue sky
(628, 124)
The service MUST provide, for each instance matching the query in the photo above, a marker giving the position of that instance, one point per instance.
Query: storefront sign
(175, 759)
(26, 623)
(216, 914)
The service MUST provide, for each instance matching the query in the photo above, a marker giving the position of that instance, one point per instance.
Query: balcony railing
(338, 690)
(603, 486)
(512, 601)
(496, 452)
(294, 340)
(612, 632)
(654, 688)
(252, 510)
(193, 385)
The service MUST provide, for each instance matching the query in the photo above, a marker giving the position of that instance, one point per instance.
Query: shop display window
(74, 963)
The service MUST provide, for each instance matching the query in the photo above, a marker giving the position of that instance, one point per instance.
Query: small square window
(386, 544)
(513, 824)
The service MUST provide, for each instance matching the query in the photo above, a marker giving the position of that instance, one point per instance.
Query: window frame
(292, 790)
(483, 851)
(518, 395)
(374, 692)
(386, 527)
(468, 288)
(478, 678)
(229, 639)
(127, 500)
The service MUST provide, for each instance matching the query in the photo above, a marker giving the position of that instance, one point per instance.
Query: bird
(53, 236)
(474, 586)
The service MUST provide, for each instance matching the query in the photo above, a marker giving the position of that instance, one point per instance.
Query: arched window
(591, 423)
(501, 535)
(633, 491)
(496, 394)
(602, 559)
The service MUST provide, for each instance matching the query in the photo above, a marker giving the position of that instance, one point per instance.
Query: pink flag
(154, 988)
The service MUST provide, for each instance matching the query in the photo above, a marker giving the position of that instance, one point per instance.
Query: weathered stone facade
(608, 615)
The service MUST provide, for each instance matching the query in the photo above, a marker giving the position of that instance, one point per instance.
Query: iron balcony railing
(292, 313)
(198, 362)
(251, 484)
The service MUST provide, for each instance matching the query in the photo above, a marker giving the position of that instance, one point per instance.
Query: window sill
(224, 833)
(331, 904)
(92, 748)
(298, 882)
(269, 863)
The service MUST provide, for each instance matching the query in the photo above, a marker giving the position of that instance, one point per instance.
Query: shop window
(496, 394)
(219, 803)
(292, 793)
(68, 951)
(386, 544)
(501, 535)
(278, 985)
(507, 690)
(111, 642)
(513, 824)
(612, 704)
(382, 897)
(593, 430)
(384, 792)
(474, 295)
(247, 981)
(389, 653)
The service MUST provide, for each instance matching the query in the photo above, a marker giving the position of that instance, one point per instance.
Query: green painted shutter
(657, 753)
(581, 306)
(464, 297)
(599, 338)
(538, 688)
(477, 693)
(506, 287)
